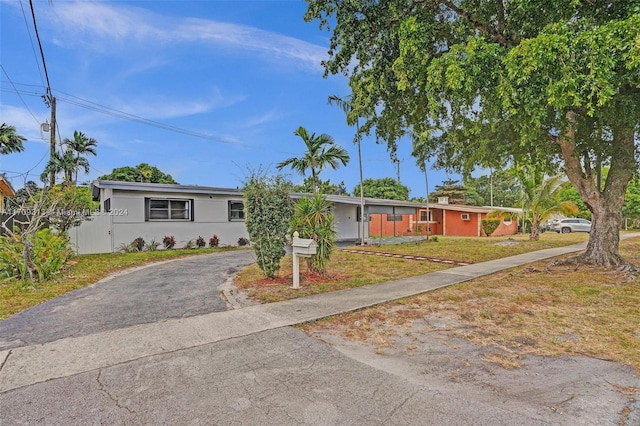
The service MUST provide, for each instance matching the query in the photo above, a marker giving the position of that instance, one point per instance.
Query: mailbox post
(302, 247)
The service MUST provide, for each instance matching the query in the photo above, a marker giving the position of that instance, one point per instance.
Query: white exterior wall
(209, 213)
(345, 216)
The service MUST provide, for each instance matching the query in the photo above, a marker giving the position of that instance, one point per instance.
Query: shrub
(268, 209)
(490, 225)
(214, 241)
(190, 245)
(200, 243)
(313, 219)
(152, 245)
(169, 242)
(138, 244)
(242, 241)
(50, 252)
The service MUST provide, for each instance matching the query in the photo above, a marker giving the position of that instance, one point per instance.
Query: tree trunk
(27, 255)
(535, 231)
(605, 204)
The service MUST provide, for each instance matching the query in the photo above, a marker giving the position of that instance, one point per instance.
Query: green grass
(80, 272)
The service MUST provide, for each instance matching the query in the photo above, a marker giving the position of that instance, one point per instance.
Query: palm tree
(81, 146)
(10, 141)
(541, 199)
(346, 104)
(65, 163)
(321, 151)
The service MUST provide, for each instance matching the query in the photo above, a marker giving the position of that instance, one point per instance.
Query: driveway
(174, 289)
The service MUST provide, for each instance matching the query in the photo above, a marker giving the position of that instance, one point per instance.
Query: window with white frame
(236, 210)
(426, 217)
(168, 209)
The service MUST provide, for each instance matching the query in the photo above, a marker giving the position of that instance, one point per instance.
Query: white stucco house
(152, 211)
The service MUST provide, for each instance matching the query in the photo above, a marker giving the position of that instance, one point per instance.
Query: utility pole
(52, 173)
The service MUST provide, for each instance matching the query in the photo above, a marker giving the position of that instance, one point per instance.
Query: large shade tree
(482, 81)
(321, 151)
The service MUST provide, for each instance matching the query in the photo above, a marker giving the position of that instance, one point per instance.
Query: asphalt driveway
(174, 289)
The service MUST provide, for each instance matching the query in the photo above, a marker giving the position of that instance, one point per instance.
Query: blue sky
(246, 73)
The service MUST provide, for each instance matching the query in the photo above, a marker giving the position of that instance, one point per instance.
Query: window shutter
(192, 207)
(146, 209)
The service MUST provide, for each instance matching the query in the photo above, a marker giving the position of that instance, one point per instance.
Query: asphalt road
(174, 289)
(277, 377)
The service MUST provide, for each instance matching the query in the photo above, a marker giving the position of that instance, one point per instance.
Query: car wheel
(566, 230)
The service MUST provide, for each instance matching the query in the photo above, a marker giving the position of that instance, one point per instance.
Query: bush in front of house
(138, 244)
(190, 245)
(214, 241)
(169, 241)
(313, 219)
(50, 252)
(490, 225)
(200, 243)
(268, 210)
(242, 241)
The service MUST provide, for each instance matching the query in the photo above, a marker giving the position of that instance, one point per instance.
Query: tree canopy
(384, 188)
(10, 141)
(324, 187)
(489, 82)
(321, 151)
(143, 172)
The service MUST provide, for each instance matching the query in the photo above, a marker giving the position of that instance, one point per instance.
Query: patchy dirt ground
(559, 390)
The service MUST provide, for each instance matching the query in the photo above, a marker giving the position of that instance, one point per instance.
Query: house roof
(5, 187)
(159, 187)
(371, 203)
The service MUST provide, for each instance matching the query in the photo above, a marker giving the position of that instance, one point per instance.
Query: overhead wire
(19, 95)
(33, 48)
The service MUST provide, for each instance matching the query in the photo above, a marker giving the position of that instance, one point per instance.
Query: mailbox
(303, 247)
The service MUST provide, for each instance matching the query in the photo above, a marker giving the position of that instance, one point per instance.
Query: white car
(565, 226)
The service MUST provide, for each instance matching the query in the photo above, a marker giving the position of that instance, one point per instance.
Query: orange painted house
(443, 219)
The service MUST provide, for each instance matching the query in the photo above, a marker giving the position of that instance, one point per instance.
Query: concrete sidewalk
(29, 365)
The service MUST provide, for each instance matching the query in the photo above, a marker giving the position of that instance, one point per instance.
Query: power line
(19, 95)
(44, 64)
(33, 48)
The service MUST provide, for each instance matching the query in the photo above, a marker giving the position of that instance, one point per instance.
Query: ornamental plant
(268, 210)
(200, 243)
(313, 219)
(214, 241)
(169, 241)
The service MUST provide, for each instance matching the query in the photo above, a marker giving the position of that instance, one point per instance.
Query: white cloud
(26, 125)
(100, 25)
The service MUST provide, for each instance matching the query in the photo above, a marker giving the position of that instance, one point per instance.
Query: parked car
(571, 224)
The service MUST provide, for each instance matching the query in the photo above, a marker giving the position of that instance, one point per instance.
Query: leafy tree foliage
(313, 219)
(143, 172)
(10, 141)
(631, 207)
(321, 152)
(385, 188)
(23, 196)
(324, 187)
(501, 185)
(487, 82)
(452, 189)
(568, 192)
(269, 208)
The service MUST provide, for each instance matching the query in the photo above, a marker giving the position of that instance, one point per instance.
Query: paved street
(247, 366)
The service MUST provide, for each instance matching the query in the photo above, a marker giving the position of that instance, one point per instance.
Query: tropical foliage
(324, 187)
(541, 199)
(10, 141)
(384, 188)
(49, 254)
(313, 219)
(81, 146)
(489, 82)
(321, 152)
(143, 172)
(268, 210)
